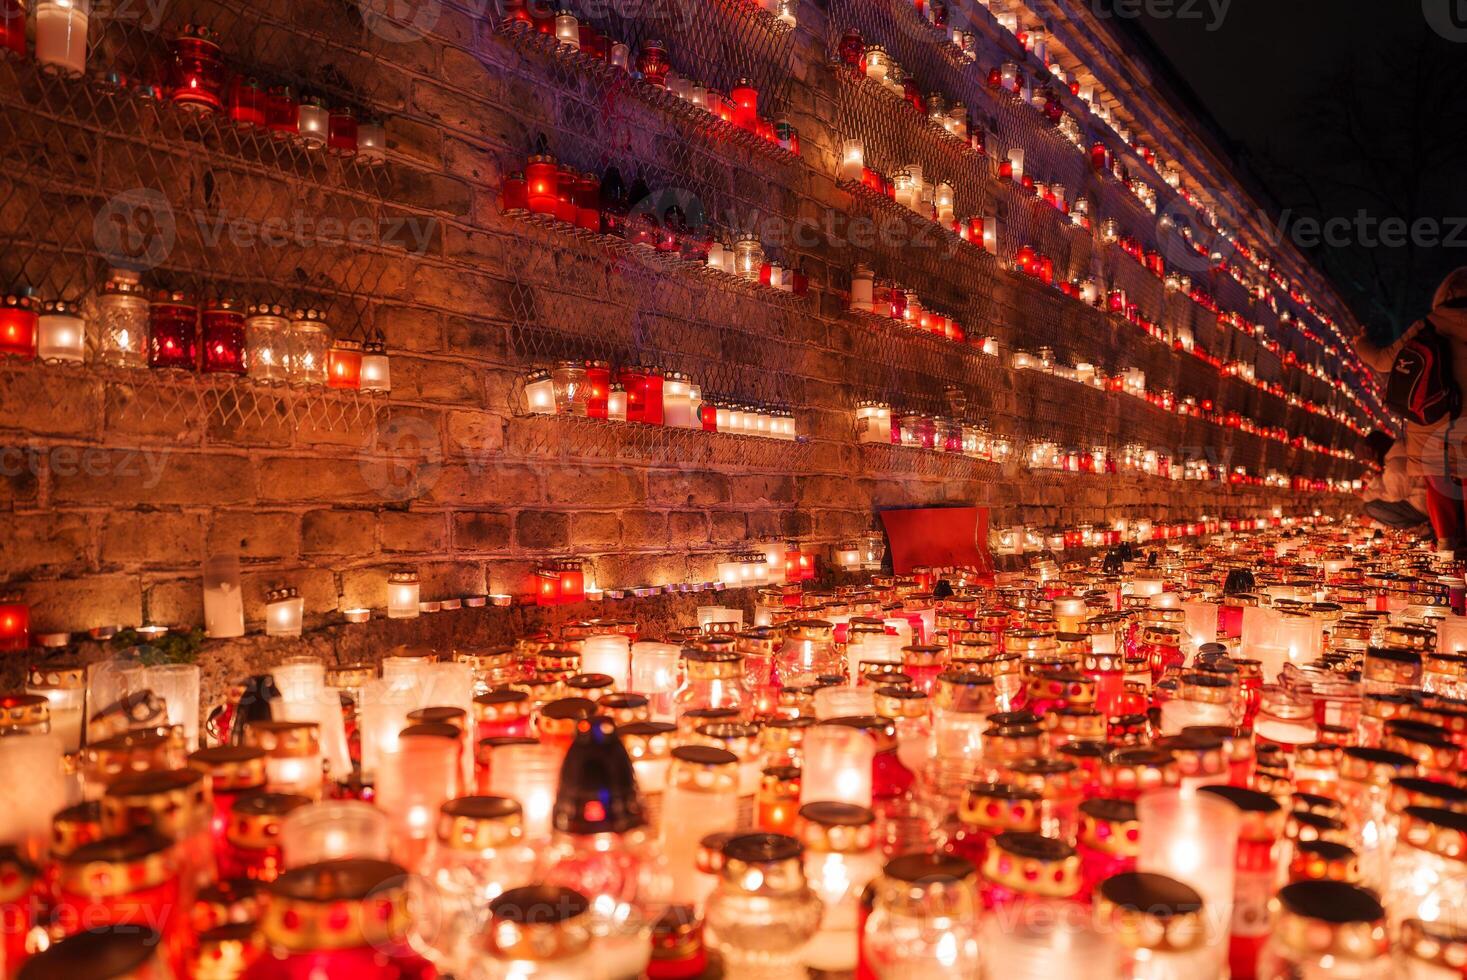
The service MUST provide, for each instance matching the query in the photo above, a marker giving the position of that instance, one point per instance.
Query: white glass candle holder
(608, 654)
(304, 696)
(654, 674)
(61, 35)
(540, 393)
(33, 788)
(844, 702)
(178, 686)
(852, 159)
(381, 715)
(284, 612)
(837, 766)
(61, 333)
(402, 594)
(223, 600)
(413, 783)
(1193, 837)
(332, 830)
(529, 775)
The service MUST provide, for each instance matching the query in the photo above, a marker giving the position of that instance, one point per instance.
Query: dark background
(1336, 107)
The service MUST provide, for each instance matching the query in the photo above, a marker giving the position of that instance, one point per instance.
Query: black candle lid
(598, 786)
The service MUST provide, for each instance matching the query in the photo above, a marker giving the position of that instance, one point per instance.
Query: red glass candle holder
(15, 625)
(196, 76)
(651, 397)
(252, 840)
(571, 576)
(588, 202)
(173, 332)
(566, 184)
(248, 103)
(547, 588)
(283, 112)
(709, 413)
(514, 195)
(634, 380)
(746, 104)
(598, 382)
(18, 323)
(128, 880)
(344, 365)
(1108, 841)
(341, 137)
(12, 26)
(543, 177)
(653, 64)
(224, 338)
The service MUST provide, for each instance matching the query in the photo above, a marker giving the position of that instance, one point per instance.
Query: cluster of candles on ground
(129, 325)
(649, 395)
(657, 221)
(652, 65)
(197, 78)
(1237, 757)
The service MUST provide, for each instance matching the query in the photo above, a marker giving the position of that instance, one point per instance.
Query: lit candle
(304, 697)
(332, 830)
(414, 782)
(402, 594)
(654, 673)
(1193, 838)
(315, 122)
(607, 654)
(61, 332)
(837, 766)
(853, 159)
(529, 775)
(284, 608)
(61, 35)
(540, 393)
(178, 686)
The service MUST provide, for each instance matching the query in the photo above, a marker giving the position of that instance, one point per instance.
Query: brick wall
(116, 485)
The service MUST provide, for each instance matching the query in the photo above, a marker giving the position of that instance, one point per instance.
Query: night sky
(1286, 81)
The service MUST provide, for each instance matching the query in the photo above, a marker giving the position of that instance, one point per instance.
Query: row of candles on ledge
(649, 395)
(605, 205)
(131, 326)
(652, 65)
(877, 423)
(1154, 765)
(196, 78)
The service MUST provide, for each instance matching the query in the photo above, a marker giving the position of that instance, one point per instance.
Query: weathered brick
(338, 532)
(32, 543)
(594, 485)
(539, 530)
(481, 531)
(596, 529)
(141, 537)
(73, 605)
(692, 488)
(129, 478)
(408, 532)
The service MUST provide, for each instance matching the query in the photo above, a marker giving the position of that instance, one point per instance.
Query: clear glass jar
(808, 651)
(478, 852)
(1428, 876)
(1327, 929)
(712, 679)
(538, 931)
(122, 321)
(307, 348)
(266, 337)
(762, 913)
(572, 392)
(924, 920)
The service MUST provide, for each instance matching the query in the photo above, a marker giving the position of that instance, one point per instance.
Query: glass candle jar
(292, 755)
(538, 931)
(415, 781)
(61, 35)
(923, 920)
(339, 918)
(1159, 923)
(1327, 928)
(478, 852)
(248, 102)
(173, 332)
(64, 688)
(1428, 871)
(343, 131)
(223, 333)
(701, 798)
(762, 912)
(1194, 838)
(344, 365)
(196, 70)
(122, 321)
(282, 112)
(376, 372)
(122, 881)
(61, 333)
(371, 142)
(653, 64)
(571, 390)
(283, 612)
(18, 323)
(841, 860)
(12, 27)
(307, 348)
(332, 830)
(315, 122)
(252, 839)
(748, 256)
(267, 334)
